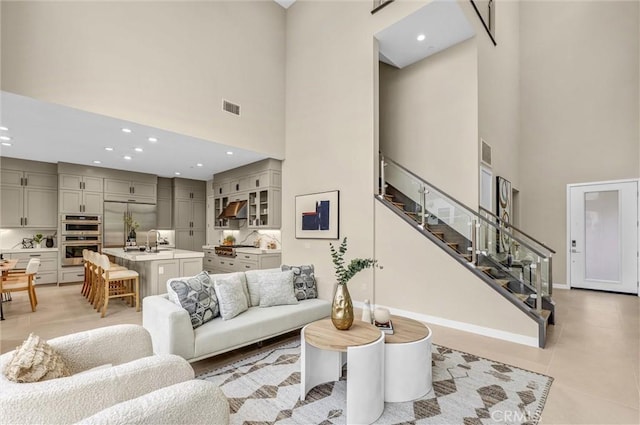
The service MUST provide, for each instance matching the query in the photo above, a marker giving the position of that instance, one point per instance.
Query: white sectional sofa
(172, 333)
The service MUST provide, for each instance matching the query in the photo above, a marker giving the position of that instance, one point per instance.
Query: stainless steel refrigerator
(114, 222)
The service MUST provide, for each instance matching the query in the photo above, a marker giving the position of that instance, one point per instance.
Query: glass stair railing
(518, 265)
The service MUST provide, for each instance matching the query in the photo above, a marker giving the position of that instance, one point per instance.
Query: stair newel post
(539, 286)
(383, 184)
(474, 242)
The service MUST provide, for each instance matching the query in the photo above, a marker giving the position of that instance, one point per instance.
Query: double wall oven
(79, 232)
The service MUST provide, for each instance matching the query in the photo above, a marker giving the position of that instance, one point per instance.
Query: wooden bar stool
(117, 284)
(86, 284)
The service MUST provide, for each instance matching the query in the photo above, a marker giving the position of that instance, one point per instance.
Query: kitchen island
(155, 268)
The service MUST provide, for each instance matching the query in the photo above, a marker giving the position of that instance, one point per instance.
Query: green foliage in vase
(344, 274)
(38, 237)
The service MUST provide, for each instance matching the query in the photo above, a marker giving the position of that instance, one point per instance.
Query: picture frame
(318, 215)
(503, 211)
(379, 4)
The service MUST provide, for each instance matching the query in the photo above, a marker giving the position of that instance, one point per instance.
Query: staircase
(481, 243)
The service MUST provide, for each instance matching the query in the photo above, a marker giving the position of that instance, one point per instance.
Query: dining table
(5, 266)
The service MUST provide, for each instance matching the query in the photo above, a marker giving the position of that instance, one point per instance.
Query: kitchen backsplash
(12, 238)
(249, 237)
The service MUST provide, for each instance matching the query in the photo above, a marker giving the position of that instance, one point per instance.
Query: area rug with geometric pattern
(467, 389)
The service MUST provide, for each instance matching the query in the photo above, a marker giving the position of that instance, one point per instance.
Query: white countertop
(164, 254)
(257, 251)
(27, 250)
(249, 250)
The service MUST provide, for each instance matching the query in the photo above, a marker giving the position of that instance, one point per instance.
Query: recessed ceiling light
(421, 37)
(198, 165)
(108, 148)
(152, 139)
(3, 128)
(127, 157)
(97, 162)
(7, 138)
(177, 173)
(138, 149)
(229, 153)
(126, 130)
(6, 144)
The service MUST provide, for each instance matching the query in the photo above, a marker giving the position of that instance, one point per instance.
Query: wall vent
(230, 107)
(485, 152)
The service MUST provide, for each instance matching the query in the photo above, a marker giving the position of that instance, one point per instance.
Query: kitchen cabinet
(48, 270)
(242, 262)
(80, 194)
(191, 240)
(164, 204)
(189, 214)
(260, 184)
(129, 191)
(28, 199)
(263, 211)
(189, 189)
(70, 274)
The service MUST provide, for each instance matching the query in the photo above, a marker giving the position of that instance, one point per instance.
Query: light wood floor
(593, 351)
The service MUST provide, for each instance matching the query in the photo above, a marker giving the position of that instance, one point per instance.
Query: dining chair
(23, 282)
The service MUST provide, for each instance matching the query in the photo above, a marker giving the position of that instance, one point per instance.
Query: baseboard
(561, 286)
(462, 326)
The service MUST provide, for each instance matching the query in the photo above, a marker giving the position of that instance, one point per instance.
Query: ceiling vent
(230, 107)
(485, 152)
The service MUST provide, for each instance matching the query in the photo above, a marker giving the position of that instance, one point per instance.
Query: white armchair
(135, 373)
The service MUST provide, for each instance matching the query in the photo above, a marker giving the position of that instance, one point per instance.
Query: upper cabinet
(165, 204)
(129, 191)
(28, 198)
(80, 194)
(260, 184)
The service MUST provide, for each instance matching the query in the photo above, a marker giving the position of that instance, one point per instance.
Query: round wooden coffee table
(407, 358)
(325, 349)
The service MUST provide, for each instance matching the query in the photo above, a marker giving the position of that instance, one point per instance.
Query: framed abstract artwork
(503, 211)
(486, 10)
(318, 215)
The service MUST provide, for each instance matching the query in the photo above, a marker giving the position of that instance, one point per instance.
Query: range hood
(234, 210)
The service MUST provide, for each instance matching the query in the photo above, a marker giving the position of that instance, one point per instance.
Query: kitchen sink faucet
(157, 232)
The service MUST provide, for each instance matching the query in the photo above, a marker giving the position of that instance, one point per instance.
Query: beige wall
(429, 119)
(421, 278)
(330, 127)
(499, 92)
(579, 107)
(163, 64)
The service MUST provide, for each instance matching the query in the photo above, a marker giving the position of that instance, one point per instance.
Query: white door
(603, 236)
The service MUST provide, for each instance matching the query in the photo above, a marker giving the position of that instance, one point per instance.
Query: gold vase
(342, 308)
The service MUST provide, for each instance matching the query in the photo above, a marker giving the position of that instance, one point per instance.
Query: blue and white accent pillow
(196, 295)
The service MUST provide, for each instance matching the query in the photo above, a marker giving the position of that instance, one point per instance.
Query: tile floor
(593, 351)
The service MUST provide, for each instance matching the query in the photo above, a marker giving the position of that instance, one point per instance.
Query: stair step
(398, 204)
(439, 235)
(522, 297)
(452, 244)
(411, 214)
(546, 314)
(484, 269)
(468, 257)
(389, 197)
(503, 282)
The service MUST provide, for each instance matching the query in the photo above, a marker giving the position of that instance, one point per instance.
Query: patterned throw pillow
(277, 289)
(304, 281)
(197, 296)
(35, 361)
(231, 296)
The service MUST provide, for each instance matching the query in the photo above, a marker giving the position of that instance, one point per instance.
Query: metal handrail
(460, 204)
(516, 229)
